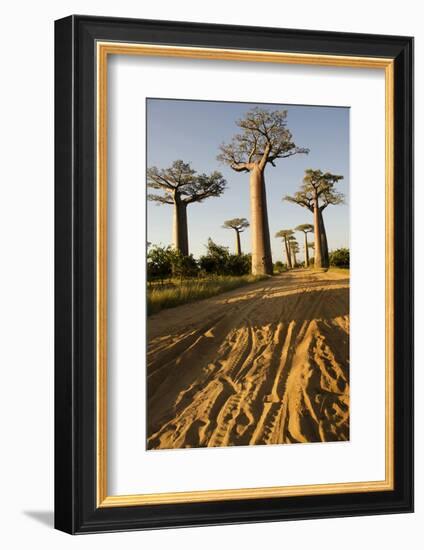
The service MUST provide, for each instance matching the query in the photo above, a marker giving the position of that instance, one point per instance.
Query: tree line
(263, 140)
(167, 262)
(291, 246)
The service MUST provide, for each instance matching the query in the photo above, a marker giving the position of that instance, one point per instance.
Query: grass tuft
(176, 293)
(340, 269)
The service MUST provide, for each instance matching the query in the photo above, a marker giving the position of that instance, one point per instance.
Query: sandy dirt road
(264, 364)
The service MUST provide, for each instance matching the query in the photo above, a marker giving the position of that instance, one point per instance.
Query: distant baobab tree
(312, 247)
(316, 193)
(264, 139)
(239, 225)
(294, 249)
(305, 228)
(181, 186)
(286, 234)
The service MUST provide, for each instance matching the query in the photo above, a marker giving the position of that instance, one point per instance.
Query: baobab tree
(181, 186)
(294, 249)
(312, 247)
(305, 228)
(316, 193)
(264, 139)
(285, 234)
(239, 225)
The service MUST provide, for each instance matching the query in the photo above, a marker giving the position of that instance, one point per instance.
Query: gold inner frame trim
(104, 49)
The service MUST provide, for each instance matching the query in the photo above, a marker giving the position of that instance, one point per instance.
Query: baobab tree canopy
(317, 184)
(238, 224)
(284, 233)
(264, 138)
(316, 193)
(305, 227)
(180, 179)
(182, 185)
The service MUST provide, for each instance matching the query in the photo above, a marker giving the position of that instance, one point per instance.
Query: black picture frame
(76, 510)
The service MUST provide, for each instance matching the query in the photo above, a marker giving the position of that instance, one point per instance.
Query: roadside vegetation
(340, 258)
(174, 279)
(176, 292)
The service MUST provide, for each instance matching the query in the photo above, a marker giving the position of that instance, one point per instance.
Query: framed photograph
(233, 274)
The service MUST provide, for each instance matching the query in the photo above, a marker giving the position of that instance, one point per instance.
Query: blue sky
(193, 130)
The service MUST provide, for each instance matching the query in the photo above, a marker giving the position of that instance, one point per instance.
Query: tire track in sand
(265, 364)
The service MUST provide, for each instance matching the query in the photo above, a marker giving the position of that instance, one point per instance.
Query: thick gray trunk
(306, 251)
(238, 244)
(324, 246)
(318, 239)
(289, 262)
(180, 232)
(261, 244)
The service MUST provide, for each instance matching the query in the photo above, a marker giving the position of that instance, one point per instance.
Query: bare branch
(318, 186)
(160, 199)
(265, 156)
(264, 139)
(203, 187)
(301, 199)
(181, 182)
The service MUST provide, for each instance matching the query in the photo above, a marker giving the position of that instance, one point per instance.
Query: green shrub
(215, 261)
(218, 261)
(340, 258)
(279, 267)
(238, 265)
(166, 262)
(184, 266)
(159, 262)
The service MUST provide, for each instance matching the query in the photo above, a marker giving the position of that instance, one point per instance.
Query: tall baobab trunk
(180, 233)
(306, 250)
(261, 245)
(288, 256)
(238, 245)
(324, 245)
(318, 262)
(294, 258)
